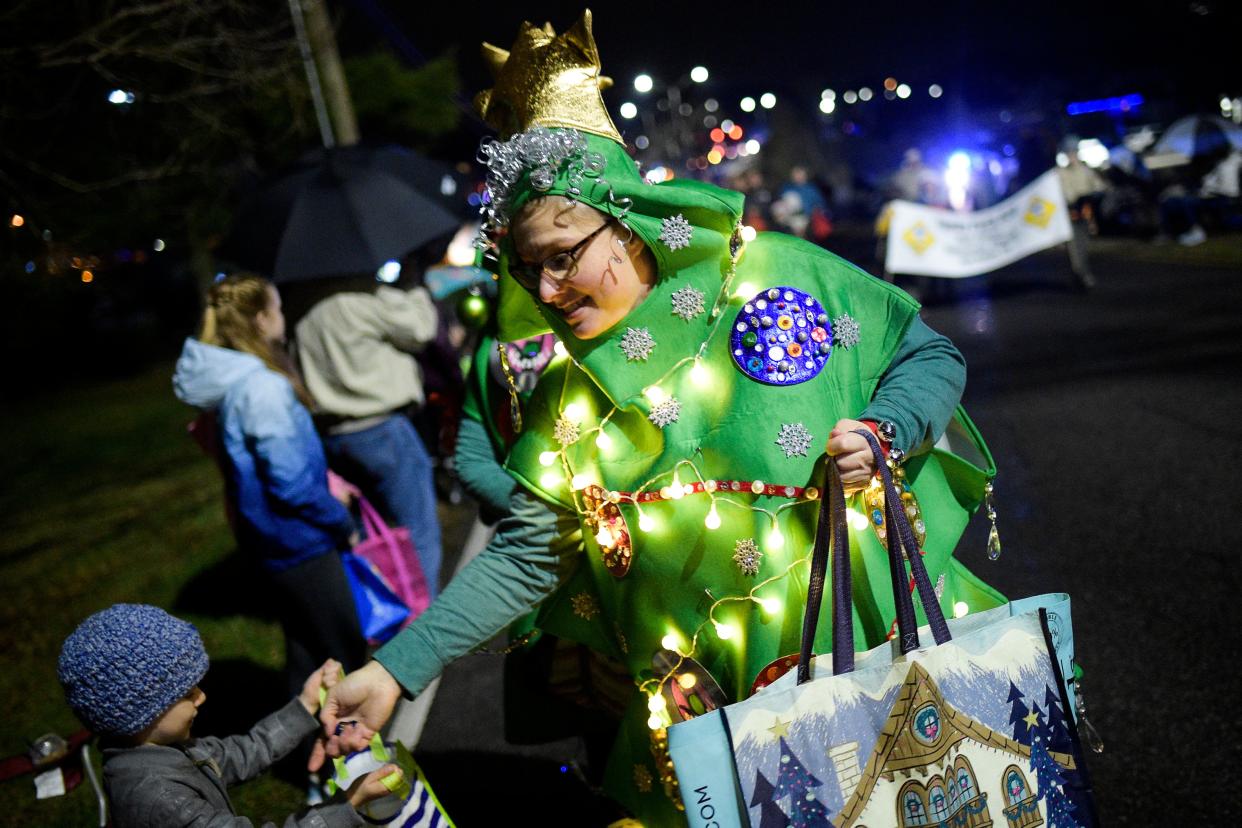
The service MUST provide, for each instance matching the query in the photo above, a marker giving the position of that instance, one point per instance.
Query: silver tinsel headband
(545, 153)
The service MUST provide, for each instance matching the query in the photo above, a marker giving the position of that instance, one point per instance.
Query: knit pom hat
(124, 666)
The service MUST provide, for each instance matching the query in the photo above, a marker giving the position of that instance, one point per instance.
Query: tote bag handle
(832, 538)
(376, 526)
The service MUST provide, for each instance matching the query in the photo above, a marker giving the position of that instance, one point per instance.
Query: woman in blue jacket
(284, 515)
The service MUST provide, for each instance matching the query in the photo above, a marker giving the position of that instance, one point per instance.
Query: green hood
(619, 190)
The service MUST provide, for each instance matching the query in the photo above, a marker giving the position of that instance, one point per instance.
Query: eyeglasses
(560, 266)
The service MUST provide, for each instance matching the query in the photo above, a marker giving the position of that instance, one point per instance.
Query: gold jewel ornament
(547, 80)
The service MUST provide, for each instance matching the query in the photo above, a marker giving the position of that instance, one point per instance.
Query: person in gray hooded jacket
(131, 674)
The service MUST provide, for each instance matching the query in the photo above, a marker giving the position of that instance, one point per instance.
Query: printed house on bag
(939, 765)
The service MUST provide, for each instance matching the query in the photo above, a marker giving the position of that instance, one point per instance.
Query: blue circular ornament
(761, 341)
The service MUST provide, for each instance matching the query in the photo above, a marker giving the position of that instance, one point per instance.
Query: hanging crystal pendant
(1086, 731)
(994, 544)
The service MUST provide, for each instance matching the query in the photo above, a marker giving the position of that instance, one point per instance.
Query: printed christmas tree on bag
(1048, 773)
(796, 782)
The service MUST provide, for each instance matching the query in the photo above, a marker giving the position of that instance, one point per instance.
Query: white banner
(930, 241)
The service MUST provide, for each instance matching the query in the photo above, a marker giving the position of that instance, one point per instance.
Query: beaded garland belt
(757, 487)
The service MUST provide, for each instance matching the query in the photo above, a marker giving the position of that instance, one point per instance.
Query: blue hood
(205, 373)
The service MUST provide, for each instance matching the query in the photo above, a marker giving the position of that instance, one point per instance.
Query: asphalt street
(1110, 414)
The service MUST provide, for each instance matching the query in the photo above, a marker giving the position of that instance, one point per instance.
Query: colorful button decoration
(781, 337)
(774, 671)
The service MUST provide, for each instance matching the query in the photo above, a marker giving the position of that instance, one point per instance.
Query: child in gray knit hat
(131, 674)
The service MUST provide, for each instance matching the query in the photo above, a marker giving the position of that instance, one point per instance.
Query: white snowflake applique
(845, 331)
(665, 413)
(746, 554)
(565, 431)
(688, 303)
(675, 232)
(637, 344)
(585, 606)
(794, 440)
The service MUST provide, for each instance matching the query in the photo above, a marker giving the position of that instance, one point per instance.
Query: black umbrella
(345, 210)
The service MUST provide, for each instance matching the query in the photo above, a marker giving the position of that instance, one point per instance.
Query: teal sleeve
(921, 388)
(517, 570)
(482, 475)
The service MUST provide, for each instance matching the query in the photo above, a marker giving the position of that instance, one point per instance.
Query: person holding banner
(669, 467)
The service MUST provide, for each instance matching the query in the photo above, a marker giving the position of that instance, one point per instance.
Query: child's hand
(326, 676)
(371, 787)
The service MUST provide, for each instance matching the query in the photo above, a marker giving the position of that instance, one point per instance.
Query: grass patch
(106, 499)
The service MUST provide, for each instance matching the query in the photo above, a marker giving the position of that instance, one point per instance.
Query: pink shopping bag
(392, 552)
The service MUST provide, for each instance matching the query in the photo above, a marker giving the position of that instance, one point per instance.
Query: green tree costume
(684, 493)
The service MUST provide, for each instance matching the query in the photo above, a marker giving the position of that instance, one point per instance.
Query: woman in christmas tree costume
(670, 466)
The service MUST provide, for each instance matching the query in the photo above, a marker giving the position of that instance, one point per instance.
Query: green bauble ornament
(474, 311)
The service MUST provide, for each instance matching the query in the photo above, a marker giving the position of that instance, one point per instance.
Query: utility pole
(329, 89)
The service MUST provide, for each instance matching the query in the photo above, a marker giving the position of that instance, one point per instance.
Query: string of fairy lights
(670, 485)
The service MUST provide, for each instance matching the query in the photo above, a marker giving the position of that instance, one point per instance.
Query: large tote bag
(974, 730)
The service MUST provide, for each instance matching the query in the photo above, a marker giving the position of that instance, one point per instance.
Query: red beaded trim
(730, 487)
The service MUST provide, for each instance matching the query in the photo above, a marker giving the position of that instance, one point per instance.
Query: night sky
(993, 53)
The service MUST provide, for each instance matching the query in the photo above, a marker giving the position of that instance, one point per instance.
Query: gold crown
(547, 80)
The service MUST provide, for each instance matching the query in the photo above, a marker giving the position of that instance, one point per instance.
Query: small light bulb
(749, 233)
(675, 490)
(604, 537)
(547, 458)
(645, 523)
(725, 631)
(550, 481)
(656, 394)
(687, 681)
(655, 722)
(745, 290)
(712, 521)
(656, 703)
(603, 441)
(770, 605)
(960, 608)
(580, 482)
(559, 348)
(572, 412)
(856, 519)
(670, 641)
(699, 374)
(775, 539)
